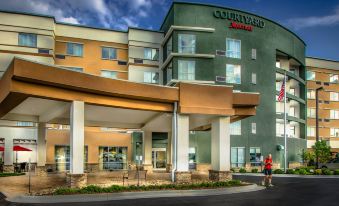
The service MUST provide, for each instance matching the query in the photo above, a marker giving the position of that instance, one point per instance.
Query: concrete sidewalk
(287, 175)
(133, 195)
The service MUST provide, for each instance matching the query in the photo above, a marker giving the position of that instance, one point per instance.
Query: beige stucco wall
(93, 139)
(136, 73)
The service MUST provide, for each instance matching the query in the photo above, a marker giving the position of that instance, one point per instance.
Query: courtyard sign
(239, 21)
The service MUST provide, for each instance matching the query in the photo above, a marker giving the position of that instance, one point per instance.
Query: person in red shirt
(268, 170)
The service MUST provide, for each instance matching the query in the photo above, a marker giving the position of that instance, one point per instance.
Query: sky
(315, 21)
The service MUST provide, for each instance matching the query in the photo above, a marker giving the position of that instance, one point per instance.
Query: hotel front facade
(181, 99)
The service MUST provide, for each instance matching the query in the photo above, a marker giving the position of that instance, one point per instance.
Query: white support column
(147, 142)
(77, 137)
(41, 146)
(221, 144)
(183, 143)
(8, 156)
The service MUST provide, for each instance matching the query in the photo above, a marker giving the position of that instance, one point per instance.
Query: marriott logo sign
(235, 17)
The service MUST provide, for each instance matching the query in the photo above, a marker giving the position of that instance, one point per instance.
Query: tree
(322, 150)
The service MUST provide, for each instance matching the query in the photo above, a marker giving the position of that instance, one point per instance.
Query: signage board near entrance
(240, 19)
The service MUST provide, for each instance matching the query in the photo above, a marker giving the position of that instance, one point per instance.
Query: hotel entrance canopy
(36, 92)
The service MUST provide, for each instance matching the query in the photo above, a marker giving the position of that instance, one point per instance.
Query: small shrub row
(10, 174)
(116, 188)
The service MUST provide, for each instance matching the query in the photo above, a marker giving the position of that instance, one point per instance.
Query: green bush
(326, 171)
(336, 172)
(318, 172)
(290, 171)
(303, 171)
(90, 189)
(232, 170)
(254, 170)
(242, 170)
(278, 171)
(10, 174)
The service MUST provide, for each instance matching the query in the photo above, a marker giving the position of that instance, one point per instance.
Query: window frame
(151, 72)
(313, 75)
(106, 70)
(237, 162)
(235, 128)
(74, 43)
(155, 55)
(35, 42)
(188, 74)
(181, 48)
(238, 53)
(234, 80)
(109, 53)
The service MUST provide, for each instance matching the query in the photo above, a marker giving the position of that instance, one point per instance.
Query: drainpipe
(174, 140)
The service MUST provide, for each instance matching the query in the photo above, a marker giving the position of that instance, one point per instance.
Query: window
(62, 157)
(192, 155)
(310, 75)
(236, 128)
(334, 96)
(310, 94)
(186, 70)
(112, 158)
(254, 78)
(334, 78)
(74, 49)
(292, 111)
(29, 40)
(255, 155)
(334, 114)
(311, 112)
(108, 53)
(278, 86)
(279, 129)
(254, 54)
(254, 128)
(292, 91)
(169, 73)
(109, 74)
(151, 54)
(151, 77)
(169, 47)
(233, 48)
(334, 132)
(311, 131)
(292, 131)
(277, 64)
(186, 43)
(76, 69)
(233, 74)
(238, 156)
(24, 124)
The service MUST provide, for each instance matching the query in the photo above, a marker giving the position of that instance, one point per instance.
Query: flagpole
(285, 135)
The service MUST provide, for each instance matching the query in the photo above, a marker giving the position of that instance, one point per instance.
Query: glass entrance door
(159, 158)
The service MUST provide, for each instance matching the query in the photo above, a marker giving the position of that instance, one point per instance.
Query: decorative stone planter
(183, 177)
(8, 168)
(41, 171)
(220, 175)
(76, 180)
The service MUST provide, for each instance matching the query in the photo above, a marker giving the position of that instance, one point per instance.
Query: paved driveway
(287, 191)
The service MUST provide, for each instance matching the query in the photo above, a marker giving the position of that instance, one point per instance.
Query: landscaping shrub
(254, 170)
(242, 170)
(10, 174)
(303, 171)
(278, 171)
(326, 171)
(290, 171)
(318, 172)
(336, 172)
(232, 170)
(116, 188)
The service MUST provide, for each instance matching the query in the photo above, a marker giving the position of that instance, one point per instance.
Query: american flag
(282, 92)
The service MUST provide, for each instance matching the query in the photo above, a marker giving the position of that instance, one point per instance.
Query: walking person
(268, 171)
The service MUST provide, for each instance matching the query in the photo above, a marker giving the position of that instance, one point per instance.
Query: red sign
(240, 26)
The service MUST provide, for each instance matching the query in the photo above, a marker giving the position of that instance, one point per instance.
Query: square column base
(76, 180)
(168, 167)
(183, 177)
(8, 168)
(148, 167)
(41, 171)
(220, 176)
(92, 167)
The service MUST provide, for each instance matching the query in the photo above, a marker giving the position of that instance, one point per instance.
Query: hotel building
(323, 73)
(183, 98)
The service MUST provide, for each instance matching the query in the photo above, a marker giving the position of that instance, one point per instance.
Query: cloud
(115, 14)
(312, 21)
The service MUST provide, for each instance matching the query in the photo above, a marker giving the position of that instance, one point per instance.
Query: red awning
(2, 149)
(19, 148)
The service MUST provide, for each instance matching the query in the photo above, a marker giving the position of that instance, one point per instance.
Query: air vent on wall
(326, 83)
(122, 63)
(138, 61)
(60, 56)
(220, 53)
(220, 79)
(326, 120)
(318, 82)
(43, 51)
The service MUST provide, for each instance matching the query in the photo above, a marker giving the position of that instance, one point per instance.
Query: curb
(133, 195)
(289, 175)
